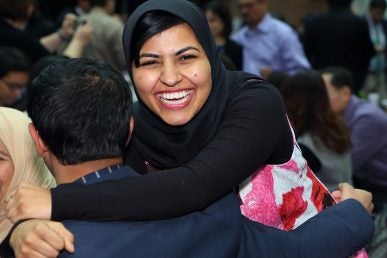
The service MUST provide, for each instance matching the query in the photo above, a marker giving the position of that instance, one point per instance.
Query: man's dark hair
(341, 77)
(378, 4)
(13, 60)
(81, 109)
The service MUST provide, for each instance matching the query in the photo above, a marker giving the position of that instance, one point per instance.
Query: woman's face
(174, 75)
(6, 170)
(216, 23)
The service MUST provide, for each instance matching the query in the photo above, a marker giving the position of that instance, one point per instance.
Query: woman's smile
(175, 99)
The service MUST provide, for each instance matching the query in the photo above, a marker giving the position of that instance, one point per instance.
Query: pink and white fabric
(286, 195)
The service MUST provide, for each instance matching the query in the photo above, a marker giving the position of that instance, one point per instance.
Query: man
(339, 38)
(81, 114)
(368, 126)
(268, 43)
(14, 75)
(106, 40)
(376, 81)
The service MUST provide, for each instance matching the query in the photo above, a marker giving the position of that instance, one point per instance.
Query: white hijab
(29, 167)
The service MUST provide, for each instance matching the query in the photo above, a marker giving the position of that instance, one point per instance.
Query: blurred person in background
(37, 24)
(14, 15)
(339, 38)
(376, 80)
(367, 123)
(318, 128)
(220, 21)
(368, 126)
(106, 39)
(268, 43)
(14, 75)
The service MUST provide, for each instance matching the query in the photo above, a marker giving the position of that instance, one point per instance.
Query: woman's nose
(170, 75)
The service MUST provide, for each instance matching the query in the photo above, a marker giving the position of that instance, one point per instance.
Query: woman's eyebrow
(179, 52)
(186, 49)
(149, 55)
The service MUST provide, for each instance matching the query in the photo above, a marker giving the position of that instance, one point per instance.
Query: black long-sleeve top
(254, 131)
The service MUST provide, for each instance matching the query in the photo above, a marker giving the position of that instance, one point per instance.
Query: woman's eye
(187, 57)
(149, 62)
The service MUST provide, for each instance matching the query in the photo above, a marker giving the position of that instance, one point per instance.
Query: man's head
(377, 9)
(253, 11)
(339, 82)
(14, 75)
(81, 111)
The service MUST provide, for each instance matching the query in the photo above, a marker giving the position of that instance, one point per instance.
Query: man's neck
(70, 173)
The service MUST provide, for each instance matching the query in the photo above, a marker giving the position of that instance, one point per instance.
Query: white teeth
(175, 95)
(175, 98)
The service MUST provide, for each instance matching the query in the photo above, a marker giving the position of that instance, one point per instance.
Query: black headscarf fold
(162, 145)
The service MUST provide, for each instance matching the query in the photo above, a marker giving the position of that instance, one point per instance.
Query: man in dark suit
(339, 38)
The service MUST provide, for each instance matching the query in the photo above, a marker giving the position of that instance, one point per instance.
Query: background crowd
(330, 69)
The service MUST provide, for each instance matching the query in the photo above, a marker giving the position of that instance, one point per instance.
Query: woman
(220, 21)
(208, 129)
(317, 127)
(19, 161)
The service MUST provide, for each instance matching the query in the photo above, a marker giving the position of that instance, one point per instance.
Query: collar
(263, 25)
(99, 175)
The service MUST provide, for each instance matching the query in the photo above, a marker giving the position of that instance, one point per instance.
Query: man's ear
(40, 146)
(131, 126)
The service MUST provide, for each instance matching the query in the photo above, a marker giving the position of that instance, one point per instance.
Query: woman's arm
(254, 131)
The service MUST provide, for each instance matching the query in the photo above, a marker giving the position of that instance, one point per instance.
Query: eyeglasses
(13, 86)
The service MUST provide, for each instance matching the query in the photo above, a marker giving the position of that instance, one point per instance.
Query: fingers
(66, 235)
(345, 187)
(364, 197)
(336, 195)
(28, 201)
(35, 238)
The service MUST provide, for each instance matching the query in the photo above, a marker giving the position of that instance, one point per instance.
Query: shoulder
(281, 30)
(240, 34)
(256, 95)
(367, 116)
(280, 25)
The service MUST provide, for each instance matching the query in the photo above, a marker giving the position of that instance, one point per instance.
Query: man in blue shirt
(367, 123)
(81, 113)
(268, 43)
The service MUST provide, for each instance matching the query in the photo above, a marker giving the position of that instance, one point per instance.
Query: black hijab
(162, 145)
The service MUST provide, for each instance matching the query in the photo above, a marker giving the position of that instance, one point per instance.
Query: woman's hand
(41, 238)
(28, 201)
(347, 191)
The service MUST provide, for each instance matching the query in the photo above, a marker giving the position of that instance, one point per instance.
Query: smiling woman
(19, 161)
(173, 78)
